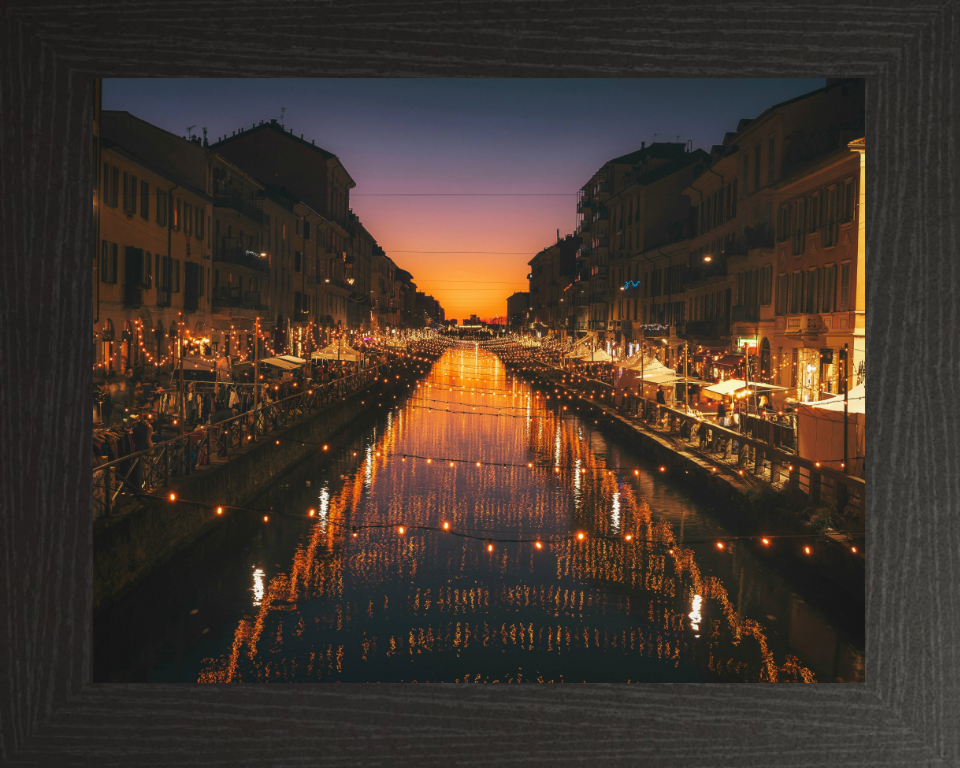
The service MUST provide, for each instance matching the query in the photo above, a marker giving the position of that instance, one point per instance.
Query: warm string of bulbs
(535, 541)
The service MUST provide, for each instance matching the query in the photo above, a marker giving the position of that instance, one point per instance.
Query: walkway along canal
(474, 533)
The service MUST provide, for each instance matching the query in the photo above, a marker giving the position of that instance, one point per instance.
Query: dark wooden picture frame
(907, 712)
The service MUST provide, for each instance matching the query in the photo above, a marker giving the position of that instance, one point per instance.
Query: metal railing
(125, 480)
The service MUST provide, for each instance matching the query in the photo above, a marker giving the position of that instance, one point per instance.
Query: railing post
(815, 481)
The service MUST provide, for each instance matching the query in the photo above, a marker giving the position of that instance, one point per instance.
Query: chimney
(301, 135)
(233, 133)
(313, 142)
(273, 121)
(643, 145)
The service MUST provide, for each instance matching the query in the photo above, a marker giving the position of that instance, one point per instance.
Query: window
(176, 213)
(129, 193)
(733, 211)
(799, 221)
(187, 217)
(306, 230)
(830, 225)
(111, 182)
(796, 293)
(783, 293)
(746, 172)
(829, 279)
(161, 207)
(756, 166)
(200, 229)
(769, 215)
(812, 298)
(145, 200)
(844, 303)
(771, 159)
(297, 262)
(175, 277)
(814, 223)
(108, 263)
(766, 285)
(849, 202)
(147, 270)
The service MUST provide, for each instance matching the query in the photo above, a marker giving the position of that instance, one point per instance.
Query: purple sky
(454, 139)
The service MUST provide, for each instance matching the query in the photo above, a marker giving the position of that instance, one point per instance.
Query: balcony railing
(603, 242)
(584, 228)
(602, 188)
(584, 205)
(252, 209)
(227, 296)
(706, 328)
(600, 270)
(745, 313)
(602, 215)
(237, 254)
(583, 253)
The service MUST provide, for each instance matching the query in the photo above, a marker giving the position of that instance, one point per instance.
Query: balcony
(252, 209)
(602, 188)
(745, 313)
(233, 253)
(600, 270)
(603, 241)
(584, 205)
(584, 228)
(704, 273)
(761, 237)
(709, 329)
(229, 296)
(583, 253)
(602, 215)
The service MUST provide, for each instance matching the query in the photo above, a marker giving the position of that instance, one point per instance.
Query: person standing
(721, 412)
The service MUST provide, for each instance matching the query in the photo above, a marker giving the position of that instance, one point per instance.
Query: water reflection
(366, 603)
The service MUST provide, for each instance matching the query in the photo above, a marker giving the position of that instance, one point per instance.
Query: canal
(372, 588)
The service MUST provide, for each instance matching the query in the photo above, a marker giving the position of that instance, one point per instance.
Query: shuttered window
(844, 302)
(129, 193)
(108, 262)
(798, 221)
(829, 288)
(144, 200)
(783, 294)
(813, 298)
(831, 222)
(161, 207)
(771, 159)
(766, 286)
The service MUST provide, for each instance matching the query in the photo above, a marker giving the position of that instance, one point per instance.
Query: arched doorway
(765, 360)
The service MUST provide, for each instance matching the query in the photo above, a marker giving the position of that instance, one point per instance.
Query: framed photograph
(436, 349)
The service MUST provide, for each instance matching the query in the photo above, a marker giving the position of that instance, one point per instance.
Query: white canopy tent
(820, 431)
(728, 387)
(332, 352)
(281, 363)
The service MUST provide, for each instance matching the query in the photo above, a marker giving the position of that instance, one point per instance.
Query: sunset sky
(462, 182)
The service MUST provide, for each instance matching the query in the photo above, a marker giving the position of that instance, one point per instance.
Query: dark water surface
(301, 599)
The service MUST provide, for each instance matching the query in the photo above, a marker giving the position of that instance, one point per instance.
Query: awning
(717, 391)
(279, 362)
(292, 359)
(729, 361)
(856, 401)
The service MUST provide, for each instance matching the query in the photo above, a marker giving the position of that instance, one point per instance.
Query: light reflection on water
(429, 606)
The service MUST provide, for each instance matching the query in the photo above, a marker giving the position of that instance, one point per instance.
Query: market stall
(820, 428)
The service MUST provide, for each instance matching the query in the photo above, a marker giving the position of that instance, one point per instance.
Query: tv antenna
(678, 137)
(282, 110)
(190, 130)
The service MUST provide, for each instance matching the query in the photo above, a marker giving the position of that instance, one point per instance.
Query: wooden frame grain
(908, 710)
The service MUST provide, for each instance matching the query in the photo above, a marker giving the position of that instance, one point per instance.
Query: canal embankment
(136, 540)
(747, 505)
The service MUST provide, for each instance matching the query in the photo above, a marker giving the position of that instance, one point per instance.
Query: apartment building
(594, 303)
(152, 278)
